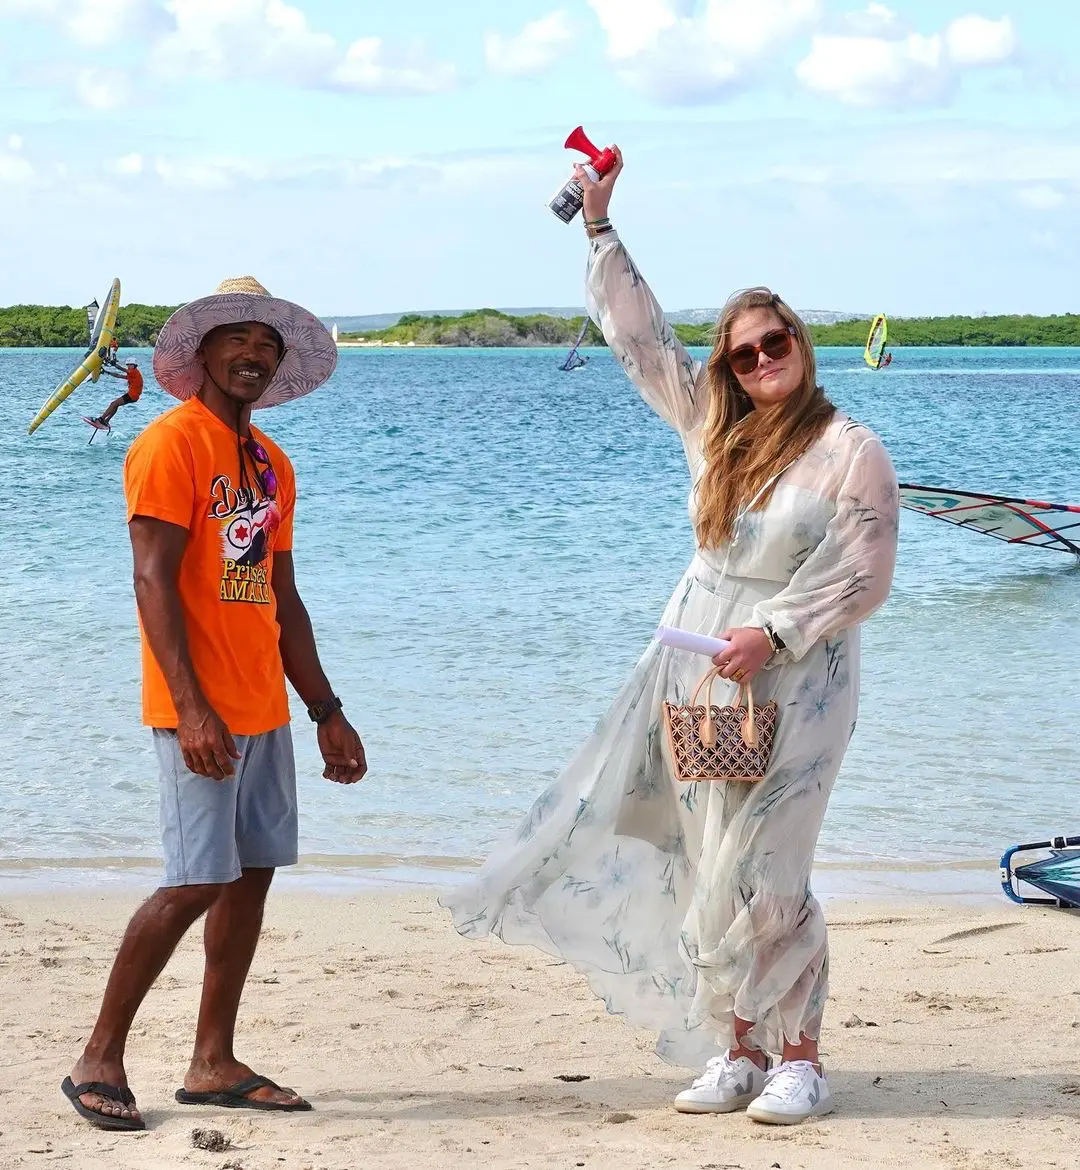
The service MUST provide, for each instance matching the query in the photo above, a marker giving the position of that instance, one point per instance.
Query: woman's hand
(598, 195)
(747, 654)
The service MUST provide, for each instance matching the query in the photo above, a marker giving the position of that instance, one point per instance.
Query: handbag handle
(707, 730)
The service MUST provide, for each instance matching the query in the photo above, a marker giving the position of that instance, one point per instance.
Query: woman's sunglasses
(267, 478)
(777, 344)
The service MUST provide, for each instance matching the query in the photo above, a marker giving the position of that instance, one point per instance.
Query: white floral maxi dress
(686, 905)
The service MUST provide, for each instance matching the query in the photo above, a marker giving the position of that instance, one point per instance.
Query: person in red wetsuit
(132, 394)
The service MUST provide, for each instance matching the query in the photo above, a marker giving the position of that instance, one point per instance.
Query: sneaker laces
(718, 1067)
(786, 1081)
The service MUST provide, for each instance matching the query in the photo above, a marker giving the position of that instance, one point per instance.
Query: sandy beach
(951, 1042)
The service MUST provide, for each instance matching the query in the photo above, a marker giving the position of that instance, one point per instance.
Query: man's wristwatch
(321, 711)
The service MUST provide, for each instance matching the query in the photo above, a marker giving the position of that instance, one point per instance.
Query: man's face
(241, 358)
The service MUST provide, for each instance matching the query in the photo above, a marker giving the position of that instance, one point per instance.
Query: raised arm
(633, 323)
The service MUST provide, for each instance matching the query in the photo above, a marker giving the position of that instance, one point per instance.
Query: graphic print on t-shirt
(248, 523)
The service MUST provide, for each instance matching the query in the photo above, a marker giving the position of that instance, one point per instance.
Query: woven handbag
(720, 743)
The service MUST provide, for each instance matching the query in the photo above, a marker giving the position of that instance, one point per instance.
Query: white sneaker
(794, 1091)
(724, 1086)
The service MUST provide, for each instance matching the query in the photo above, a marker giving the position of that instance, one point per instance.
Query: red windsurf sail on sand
(1016, 521)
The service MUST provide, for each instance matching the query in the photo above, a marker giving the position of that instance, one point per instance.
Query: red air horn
(567, 201)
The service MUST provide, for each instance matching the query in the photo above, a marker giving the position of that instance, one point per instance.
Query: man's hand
(206, 743)
(747, 654)
(342, 751)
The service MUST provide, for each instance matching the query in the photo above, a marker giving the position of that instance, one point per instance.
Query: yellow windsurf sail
(875, 343)
(90, 367)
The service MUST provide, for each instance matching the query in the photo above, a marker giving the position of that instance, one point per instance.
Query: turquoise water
(485, 545)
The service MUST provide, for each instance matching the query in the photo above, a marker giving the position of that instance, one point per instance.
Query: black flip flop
(119, 1093)
(237, 1097)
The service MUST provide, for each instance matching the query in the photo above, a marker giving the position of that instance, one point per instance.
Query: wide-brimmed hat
(310, 351)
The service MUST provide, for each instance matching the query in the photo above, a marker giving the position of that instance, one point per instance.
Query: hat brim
(310, 352)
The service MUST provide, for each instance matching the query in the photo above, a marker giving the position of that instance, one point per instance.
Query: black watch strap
(321, 711)
(775, 641)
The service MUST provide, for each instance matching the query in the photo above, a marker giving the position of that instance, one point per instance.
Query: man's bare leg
(107, 414)
(149, 941)
(231, 935)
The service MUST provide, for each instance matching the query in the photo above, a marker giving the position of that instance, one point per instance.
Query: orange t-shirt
(185, 469)
(135, 385)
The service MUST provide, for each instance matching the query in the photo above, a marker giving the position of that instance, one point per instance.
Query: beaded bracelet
(596, 222)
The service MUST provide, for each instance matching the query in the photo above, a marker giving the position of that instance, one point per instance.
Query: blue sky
(920, 156)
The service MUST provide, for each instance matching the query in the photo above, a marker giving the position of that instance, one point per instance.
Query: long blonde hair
(744, 448)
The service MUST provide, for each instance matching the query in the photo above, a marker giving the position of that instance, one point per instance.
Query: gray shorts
(211, 829)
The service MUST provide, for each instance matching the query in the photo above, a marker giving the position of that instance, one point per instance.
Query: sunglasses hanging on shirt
(263, 466)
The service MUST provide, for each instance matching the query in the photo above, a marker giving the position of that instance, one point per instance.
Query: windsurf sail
(1057, 874)
(1016, 521)
(876, 341)
(574, 360)
(334, 332)
(93, 311)
(101, 335)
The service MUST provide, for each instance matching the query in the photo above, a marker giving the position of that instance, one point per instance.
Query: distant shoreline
(27, 326)
(561, 348)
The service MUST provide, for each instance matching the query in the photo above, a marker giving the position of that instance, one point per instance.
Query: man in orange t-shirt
(210, 504)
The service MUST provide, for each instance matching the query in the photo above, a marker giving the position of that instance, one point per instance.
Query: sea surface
(485, 545)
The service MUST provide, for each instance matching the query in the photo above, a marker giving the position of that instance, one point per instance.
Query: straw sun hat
(310, 351)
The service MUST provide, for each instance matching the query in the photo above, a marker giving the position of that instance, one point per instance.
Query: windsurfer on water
(130, 396)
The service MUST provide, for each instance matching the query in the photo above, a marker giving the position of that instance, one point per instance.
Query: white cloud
(678, 57)
(229, 39)
(682, 51)
(241, 38)
(204, 174)
(15, 143)
(27, 7)
(270, 38)
(15, 171)
(873, 71)
(1041, 197)
(129, 164)
(92, 24)
(101, 89)
(877, 20)
(632, 25)
(974, 40)
(370, 67)
(223, 173)
(896, 67)
(98, 23)
(536, 48)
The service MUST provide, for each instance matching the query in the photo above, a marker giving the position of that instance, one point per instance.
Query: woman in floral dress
(688, 906)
